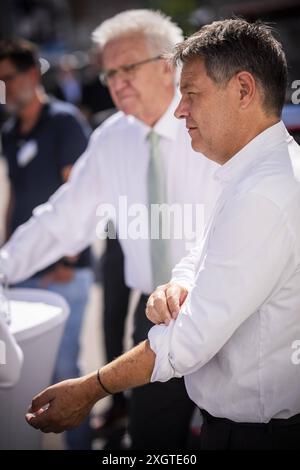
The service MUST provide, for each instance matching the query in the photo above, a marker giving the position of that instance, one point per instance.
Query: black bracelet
(100, 382)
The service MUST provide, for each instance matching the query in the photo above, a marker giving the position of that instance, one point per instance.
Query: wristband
(100, 382)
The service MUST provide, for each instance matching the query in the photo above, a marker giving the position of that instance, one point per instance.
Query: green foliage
(178, 10)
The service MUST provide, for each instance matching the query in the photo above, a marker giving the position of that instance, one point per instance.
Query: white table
(38, 320)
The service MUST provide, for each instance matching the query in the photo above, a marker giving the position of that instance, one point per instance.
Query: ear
(35, 75)
(168, 70)
(246, 88)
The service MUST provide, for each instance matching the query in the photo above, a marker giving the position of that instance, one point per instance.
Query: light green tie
(160, 247)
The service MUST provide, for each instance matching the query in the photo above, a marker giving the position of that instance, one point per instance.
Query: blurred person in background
(41, 142)
(69, 86)
(96, 102)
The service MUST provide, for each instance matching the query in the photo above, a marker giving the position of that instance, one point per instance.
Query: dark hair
(230, 46)
(23, 54)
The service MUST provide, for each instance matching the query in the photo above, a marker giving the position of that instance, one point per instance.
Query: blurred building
(62, 28)
(284, 15)
(64, 24)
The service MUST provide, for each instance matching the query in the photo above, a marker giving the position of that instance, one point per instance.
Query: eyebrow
(188, 82)
(187, 85)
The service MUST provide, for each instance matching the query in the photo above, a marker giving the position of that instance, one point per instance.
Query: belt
(273, 423)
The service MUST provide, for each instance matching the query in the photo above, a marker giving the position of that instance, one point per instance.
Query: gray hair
(230, 46)
(160, 32)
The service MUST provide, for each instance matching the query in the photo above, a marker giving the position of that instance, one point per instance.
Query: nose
(117, 82)
(182, 110)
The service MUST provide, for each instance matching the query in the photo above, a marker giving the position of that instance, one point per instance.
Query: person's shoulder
(112, 127)
(118, 121)
(276, 178)
(62, 110)
(67, 118)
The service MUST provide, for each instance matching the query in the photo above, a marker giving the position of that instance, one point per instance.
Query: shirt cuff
(160, 338)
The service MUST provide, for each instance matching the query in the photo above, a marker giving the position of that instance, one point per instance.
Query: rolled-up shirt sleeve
(249, 247)
(160, 337)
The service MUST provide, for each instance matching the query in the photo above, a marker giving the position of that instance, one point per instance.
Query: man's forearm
(132, 369)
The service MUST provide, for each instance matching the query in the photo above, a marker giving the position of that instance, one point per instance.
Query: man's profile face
(19, 86)
(210, 111)
(140, 93)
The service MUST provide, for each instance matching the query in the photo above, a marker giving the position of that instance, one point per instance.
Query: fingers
(173, 298)
(48, 429)
(165, 303)
(38, 420)
(183, 295)
(43, 421)
(41, 400)
(175, 295)
(157, 309)
(38, 412)
(61, 406)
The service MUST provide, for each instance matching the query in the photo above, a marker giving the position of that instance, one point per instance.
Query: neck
(248, 133)
(30, 113)
(152, 118)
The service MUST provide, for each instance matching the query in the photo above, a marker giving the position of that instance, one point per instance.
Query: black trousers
(116, 297)
(160, 413)
(223, 434)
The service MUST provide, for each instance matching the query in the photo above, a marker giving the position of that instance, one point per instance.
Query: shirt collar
(166, 126)
(255, 150)
(43, 116)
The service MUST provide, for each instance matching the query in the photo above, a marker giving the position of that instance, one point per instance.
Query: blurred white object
(11, 357)
(37, 322)
(4, 302)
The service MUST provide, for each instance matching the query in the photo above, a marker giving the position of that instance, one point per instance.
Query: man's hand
(165, 302)
(60, 274)
(64, 405)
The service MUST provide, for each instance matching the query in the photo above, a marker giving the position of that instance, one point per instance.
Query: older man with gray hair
(142, 154)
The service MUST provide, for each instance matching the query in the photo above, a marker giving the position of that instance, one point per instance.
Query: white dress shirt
(115, 164)
(233, 339)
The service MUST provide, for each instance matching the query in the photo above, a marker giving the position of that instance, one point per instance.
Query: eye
(129, 68)
(111, 73)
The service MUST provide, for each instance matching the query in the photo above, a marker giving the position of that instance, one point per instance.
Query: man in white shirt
(114, 173)
(239, 322)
